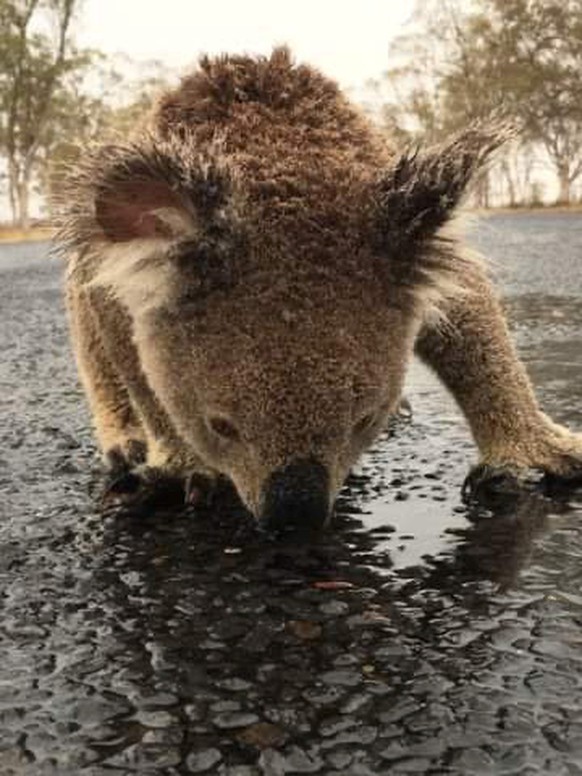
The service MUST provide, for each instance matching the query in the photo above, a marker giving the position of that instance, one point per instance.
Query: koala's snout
(296, 497)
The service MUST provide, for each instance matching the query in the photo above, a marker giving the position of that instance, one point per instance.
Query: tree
(423, 59)
(33, 66)
(55, 98)
(520, 58)
(107, 101)
(528, 55)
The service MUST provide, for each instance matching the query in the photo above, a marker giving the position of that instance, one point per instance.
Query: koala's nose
(296, 497)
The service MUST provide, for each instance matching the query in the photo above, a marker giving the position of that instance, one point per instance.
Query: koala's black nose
(296, 497)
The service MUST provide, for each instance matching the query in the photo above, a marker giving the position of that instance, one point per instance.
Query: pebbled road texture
(419, 636)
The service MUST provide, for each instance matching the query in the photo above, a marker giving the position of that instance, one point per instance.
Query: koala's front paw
(200, 490)
(121, 459)
(490, 484)
(563, 467)
(142, 488)
(552, 462)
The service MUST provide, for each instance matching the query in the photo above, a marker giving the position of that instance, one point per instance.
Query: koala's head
(276, 333)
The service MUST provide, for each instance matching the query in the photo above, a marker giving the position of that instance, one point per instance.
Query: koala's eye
(365, 423)
(224, 428)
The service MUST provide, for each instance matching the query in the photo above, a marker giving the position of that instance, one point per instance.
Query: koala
(248, 277)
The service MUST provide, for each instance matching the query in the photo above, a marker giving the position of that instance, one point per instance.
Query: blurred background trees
(54, 97)
(522, 59)
(36, 60)
(457, 60)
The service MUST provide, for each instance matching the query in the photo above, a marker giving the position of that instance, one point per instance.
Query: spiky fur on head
(418, 226)
(284, 139)
(198, 181)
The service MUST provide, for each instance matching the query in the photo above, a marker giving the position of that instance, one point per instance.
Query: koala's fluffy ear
(120, 193)
(420, 192)
(141, 208)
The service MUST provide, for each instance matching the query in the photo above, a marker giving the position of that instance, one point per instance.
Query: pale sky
(348, 39)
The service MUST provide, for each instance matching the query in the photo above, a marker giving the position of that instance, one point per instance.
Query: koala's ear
(151, 189)
(154, 190)
(420, 192)
(141, 208)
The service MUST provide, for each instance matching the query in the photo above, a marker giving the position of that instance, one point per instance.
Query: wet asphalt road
(417, 637)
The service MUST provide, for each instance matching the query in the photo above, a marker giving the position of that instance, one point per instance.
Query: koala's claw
(199, 490)
(142, 489)
(121, 487)
(133, 485)
(568, 478)
(486, 483)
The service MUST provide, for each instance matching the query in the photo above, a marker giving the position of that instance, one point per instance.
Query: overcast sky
(348, 39)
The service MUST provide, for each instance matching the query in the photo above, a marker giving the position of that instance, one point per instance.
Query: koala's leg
(119, 432)
(474, 357)
(167, 472)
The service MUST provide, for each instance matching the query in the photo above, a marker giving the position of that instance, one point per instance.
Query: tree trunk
(12, 198)
(482, 192)
(506, 169)
(565, 185)
(19, 178)
(23, 203)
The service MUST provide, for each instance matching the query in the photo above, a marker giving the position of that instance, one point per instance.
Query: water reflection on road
(418, 636)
